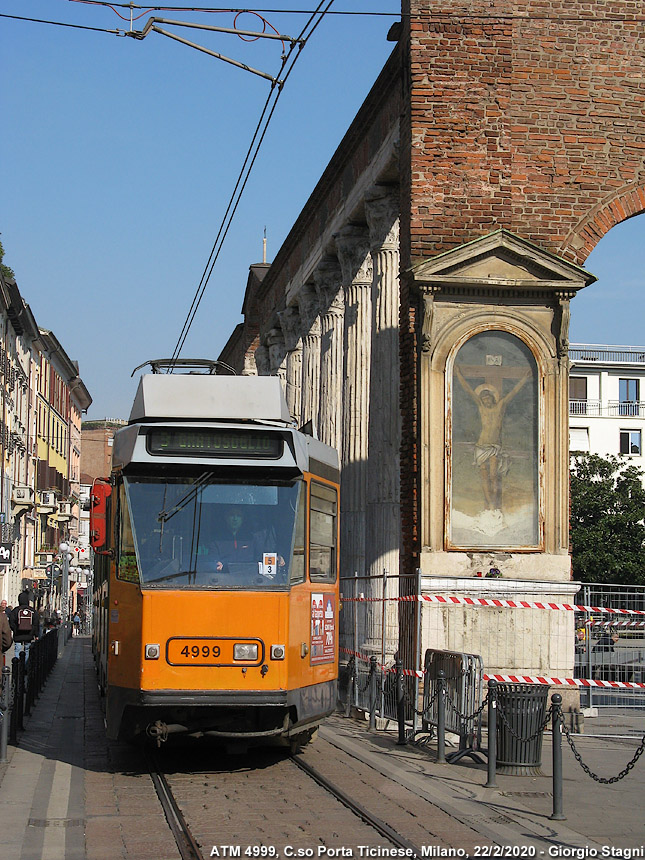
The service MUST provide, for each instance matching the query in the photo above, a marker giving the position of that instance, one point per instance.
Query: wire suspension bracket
(152, 26)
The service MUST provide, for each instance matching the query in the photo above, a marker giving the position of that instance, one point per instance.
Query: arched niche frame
(494, 433)
(499, 281)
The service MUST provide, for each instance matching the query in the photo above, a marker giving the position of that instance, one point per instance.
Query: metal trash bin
(521, 714)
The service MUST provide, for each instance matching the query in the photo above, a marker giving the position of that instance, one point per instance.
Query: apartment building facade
(42, 399)
(607, 400)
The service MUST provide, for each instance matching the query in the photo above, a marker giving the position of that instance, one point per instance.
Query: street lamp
(65, 557)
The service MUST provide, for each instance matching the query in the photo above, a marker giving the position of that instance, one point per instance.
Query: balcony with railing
(610, 409)
(585, 407)
(607, 354)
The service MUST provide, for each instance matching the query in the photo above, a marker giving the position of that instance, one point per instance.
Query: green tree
(6, 270)
(607, 513)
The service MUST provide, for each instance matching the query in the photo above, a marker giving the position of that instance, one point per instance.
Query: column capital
(382, 210)
(291, 326)
(327, 280)
(309, 308)
(353, 244)
(277, 349)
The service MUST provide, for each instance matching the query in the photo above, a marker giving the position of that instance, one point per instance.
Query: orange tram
(216, 565)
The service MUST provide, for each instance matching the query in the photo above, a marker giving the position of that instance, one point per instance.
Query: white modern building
(607, 399)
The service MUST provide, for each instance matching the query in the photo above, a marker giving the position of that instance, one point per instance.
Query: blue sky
(118, 157)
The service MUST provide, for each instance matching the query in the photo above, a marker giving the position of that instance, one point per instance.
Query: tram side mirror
(101, 492)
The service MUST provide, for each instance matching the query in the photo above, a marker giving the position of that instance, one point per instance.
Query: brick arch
(616, 208)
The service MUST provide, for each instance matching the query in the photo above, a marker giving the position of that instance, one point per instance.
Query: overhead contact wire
(243, 178)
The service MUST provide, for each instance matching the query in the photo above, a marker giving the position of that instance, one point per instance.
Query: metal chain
(408, 702)
(367, 683)
(465, 717)
(517, 737)
(604, 780)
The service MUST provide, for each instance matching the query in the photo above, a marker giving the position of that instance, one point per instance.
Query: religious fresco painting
(495, 444)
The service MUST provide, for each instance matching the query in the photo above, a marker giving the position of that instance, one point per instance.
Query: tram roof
(209, 398)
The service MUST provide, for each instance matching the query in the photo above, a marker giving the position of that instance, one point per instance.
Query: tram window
(201, 532)
(127, 561)
(322, 533)
(297, 572)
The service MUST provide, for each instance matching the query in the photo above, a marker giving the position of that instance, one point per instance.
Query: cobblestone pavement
(422, 822)
(264, 799)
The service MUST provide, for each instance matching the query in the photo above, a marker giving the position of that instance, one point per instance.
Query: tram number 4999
(200, 651)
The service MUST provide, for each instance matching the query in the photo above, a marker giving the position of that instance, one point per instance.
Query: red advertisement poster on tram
(323, 628)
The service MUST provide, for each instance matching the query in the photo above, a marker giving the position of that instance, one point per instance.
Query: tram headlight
(245, 651)
(152, 652)
(277, 652)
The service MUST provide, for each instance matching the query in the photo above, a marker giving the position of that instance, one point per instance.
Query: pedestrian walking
(24, 625)
(77, 624)
(6, 639)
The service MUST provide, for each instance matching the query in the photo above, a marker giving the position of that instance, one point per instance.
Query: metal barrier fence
(456, 680)
(611, 647)
(376, 623)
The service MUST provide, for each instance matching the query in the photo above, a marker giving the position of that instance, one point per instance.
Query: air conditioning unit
(64, 511)
(22, 496)
(46, 500)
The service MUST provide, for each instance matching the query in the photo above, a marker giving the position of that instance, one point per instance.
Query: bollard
(351, 682)
(5, 705)
(373, 685)
(400, 702)
(13, 723)
(558, 815)
(20, 705)
(492, 735)
(441, 718)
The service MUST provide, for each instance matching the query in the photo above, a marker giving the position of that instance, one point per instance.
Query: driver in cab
(239, 544)
(236, 545)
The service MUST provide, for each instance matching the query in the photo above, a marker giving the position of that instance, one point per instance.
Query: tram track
(186, 843)
(191, 848)
(358, 809)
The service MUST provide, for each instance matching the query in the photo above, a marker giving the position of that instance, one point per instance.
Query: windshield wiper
(164, 515)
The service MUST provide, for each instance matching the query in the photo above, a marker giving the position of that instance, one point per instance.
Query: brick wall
(524, 116)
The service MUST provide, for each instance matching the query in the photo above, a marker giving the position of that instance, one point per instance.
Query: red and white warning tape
(494, 602)
(564, 682)
(524, 604)
(519, 679)
(410, 673)
(595, 622)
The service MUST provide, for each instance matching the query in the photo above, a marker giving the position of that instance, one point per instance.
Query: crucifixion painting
(494, 444)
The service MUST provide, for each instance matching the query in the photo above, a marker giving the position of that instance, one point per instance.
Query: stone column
(308, 303)
(356, 264)
(383, 527)
(327, 279)
(291, 324)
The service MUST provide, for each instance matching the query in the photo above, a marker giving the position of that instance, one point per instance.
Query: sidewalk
(66, 795)
(516, 813)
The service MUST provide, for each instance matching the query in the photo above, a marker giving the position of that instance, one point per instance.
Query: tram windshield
(186, 533)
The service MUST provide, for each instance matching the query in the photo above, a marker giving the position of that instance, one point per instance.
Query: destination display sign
(214, 442)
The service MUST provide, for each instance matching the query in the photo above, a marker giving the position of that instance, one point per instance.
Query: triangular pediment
(500, 260)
